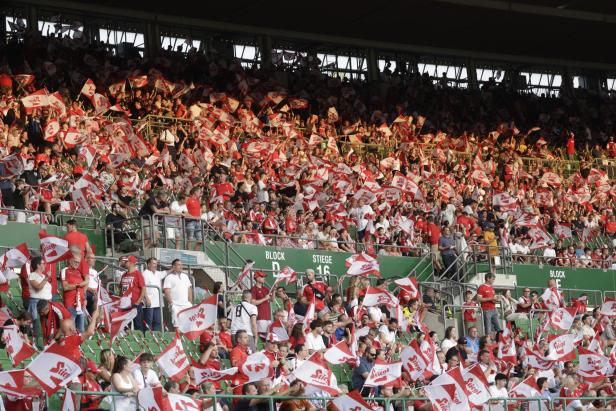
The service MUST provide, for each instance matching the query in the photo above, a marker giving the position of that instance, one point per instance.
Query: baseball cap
(260, 274)
(132, 259)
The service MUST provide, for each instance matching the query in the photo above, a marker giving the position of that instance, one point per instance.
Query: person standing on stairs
(488, 299)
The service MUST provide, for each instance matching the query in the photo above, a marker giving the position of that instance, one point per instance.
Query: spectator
(78, 240)
(488, 299)
(241, 350)
(361, 372)
(499, 390)
(74, 284)
(40, 289)
(122, 381)
(93, 284)
(177, 289)
(261, 297)
(447, 248)
(314, 290)
(154, 301)
(244, 317)
(314, 339)
(144, 375)
(133, 286)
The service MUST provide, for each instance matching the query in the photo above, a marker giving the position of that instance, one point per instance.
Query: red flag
(173, 361)
(55, 367)
(352, 401)
(205, 374)
(414, 361)
(377, 296)
(16, 346)
(151, 399)
(476, 385)
(410, 285)
(452, 395)
(138, 81)
(119, 321)
(608, 308)
(88, 89)
(315, 372)
(276, 332)
(193, 321)
(52, 128)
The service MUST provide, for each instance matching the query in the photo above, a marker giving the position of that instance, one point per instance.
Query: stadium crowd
(401, 167)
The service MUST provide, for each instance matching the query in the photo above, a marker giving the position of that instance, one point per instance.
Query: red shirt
(132, 283)
(470, 315)
(435, 233)
(238, 355)
(225, 190)
(263, 309)
(23, 281)
(486, 291)
(77, 239)
(318, 290)
(193, 206)
(51, 322)
(294, 342)
(73, 298)
(91, 402)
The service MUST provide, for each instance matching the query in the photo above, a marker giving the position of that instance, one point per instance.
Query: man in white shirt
(314, 341)
(93, 283)
(40, 289)
(178, 290)
(144, 375)
(498, 390)
(174, 225)
(243, 316)
(549, 253)
(154, 297)
(387, 332)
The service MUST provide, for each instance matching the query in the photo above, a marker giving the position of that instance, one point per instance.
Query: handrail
(461, 307)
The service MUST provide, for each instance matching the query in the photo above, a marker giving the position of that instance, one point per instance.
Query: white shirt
(178, 286)
(447, 344)
(45, 292)
(240, 317)
(314, 343)
(150, 378)
(154, 278)
(549, 252)
(178, 208)
(365, 211)
(390, 336)
(498, 393)
(93, 279)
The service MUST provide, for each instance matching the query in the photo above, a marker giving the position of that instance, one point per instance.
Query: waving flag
(528, 388)
(52, 128)
(377, 296)
(506, 346)
(287, 274)
(536, 360)
(138, 81)
(119, 321)
(55, 367)
(15, 257)
(352, 401)
(383, 373)
(257, 367)
(551, 179)
(562, 231)
(452, 395)
(608, 308)
(69, 402)
(205, 374)
(88, 89)
(593, 366)
(277, 332)
(53, 248)
(173, 361)
(544, 197)
(505, 201)
(552, 299)
(16, 346)
(364, 269)
(151, 399)
(562, 347)
(198, 318)
(476, 385)
(414, 361)
(13, 165)
(339, 353)
(315, 372)
(562, 318)
(38, 99)
(428, 349)
(243, 279)
(410, 285)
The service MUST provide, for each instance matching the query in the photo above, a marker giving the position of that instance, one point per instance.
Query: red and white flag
(414, 361)
(352, 401)
(608, 308)
(88, 89)
(551, 179)
(12, 383)
(476, 385)
(25, 79)
(89, 153)
(540, 238)
(287, 274)
(364, 269)
(116, 88)
(173, 361)
(544, 197)
(138, 81)
(451, 396)
(552, 299)
(55, 367)
(277, 332)
(383, 372)
(561, 319)
(16, 346)
(536, 360)
(101, 104)
(506, 346)
(15, 257)
(80, 199)
(505, 201)
(119, 320)
(183, 403)
(52, 128)
(243, 278)
(339, 353)
(257, 367)
(377, 296)
(13, 165)
(205, 374)
(38, 99)
(316, 372)
(69, 402)
(53, 248)
(528, 388)
(193, 321)
(410, 285)
(562, 231)
(561, 348)
(592, 366)
(151, 398)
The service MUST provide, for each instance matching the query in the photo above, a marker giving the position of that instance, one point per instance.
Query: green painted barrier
(13, 234)
(322, 262)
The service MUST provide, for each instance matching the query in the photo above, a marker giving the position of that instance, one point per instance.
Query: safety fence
(217, 401)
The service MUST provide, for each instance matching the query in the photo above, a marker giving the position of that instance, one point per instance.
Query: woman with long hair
(122, 381)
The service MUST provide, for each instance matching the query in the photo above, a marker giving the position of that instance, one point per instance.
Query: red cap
(78, 170)
(91, 366)
(260, 274)
(132, 259)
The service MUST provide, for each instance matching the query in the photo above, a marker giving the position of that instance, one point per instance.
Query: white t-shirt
(390, 335)
(314, 343)
(240, 317)
(447, 344)
(93, 279)
(45, 292)
(154, 278)
(498, 393)
(150, 378)
(178, 208)
(178, 285)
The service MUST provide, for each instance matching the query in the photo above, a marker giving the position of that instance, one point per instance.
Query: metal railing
(449, 312)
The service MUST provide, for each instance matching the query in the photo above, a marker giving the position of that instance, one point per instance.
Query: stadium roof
(578, 30)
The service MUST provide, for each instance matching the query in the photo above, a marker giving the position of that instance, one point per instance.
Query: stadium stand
(197, 231)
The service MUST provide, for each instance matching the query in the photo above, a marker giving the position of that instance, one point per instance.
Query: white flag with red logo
(198, 318)
(552, 299)
(562, 231)
(13, 165)
(34, 100)
(52, 128)
(205, 374)
(562, 318)
(377, 296)
(608, 308)
(138, 81)
(544, 197)
(183, 403)
(88, 89)
(277, 332)
(561, 348)
(352, 401)
(536, 360)
(101, 104)
(551, 179)
(593, 366)
(364, 269)
(151, 398)
(414, 361)
(117, 321)
(55, 367)
(12, 383)
(409, 284)
(505, 201)
(476, 385)
(80, 199)
(315, 372)
(287, 274)
(16, 346)
(173, 361)
(53, 248)
(15, 257)
(383, 372)
(451, 396)
(116, 88)
(339, 353)
(69, 402)
(529, 389)
(257, 367)
(506, 346)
